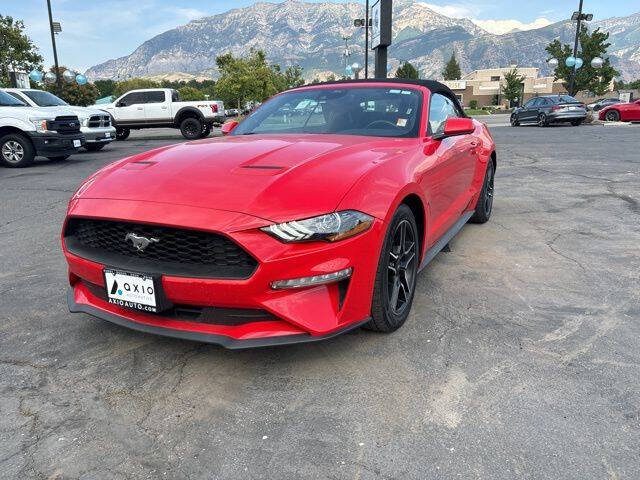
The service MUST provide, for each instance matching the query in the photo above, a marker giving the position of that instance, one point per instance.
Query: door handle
(140, 108)
(164, 108)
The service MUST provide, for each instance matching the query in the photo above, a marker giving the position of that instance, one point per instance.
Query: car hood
(276, 178)
(80, 112)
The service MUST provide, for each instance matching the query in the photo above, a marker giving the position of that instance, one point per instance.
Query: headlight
(84, 122)
(329, 228)
(40, 124)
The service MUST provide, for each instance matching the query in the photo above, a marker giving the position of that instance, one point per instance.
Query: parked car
(283, 232)
(94, 124)
(621, 112)
(600, 104)
(162, 108)
(549, 109)
(27, 131)
(232, 112)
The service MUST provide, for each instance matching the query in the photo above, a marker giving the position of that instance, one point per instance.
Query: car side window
(154, 97)
(530, 103)
(440, 109)
(175, 96)
(133, 98)
(15, 95)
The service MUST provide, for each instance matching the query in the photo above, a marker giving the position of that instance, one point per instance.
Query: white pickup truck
(162, 108)
(28, 131)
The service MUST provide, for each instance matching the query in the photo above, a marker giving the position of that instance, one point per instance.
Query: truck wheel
(206, 131)
(16, 151)
(191, 128)
(122, 133)
(59, 159)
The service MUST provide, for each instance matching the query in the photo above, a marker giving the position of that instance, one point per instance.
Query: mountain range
(311, 35)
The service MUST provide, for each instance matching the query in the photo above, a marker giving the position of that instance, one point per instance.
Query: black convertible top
(432, 85)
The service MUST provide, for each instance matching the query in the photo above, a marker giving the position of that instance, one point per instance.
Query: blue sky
(95, 31)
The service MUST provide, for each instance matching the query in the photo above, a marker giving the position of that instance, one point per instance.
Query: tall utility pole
(575, 50)
(55, 51)
(366, 40)
(347, 54)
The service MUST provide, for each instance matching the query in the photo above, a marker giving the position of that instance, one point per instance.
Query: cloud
(500, 27)
(453, 11)
(188, 13)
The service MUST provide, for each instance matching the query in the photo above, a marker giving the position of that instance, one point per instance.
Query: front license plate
(131, 290)
(77, 143)
(107, 135)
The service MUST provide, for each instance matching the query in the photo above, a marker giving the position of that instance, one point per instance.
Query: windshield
(44, 99)
(7, 100)
(370, 111)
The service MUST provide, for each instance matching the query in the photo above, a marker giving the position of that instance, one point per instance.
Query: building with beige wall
(485, 86)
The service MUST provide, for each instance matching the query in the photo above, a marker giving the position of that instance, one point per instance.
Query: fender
(188, 109)
(17, 123)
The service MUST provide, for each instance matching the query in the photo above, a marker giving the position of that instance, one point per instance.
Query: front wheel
(191, 128)
(542, 120)
(16, 151)
(485, 200)
(122, 133)
(395, 283)
(514, 121)
(612, 116)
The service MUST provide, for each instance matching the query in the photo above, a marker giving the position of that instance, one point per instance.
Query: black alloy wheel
(191, 128)
(397, 273)
(612, 116)
(542, 120)
(514, 121)
(122, 133)
(484, 206)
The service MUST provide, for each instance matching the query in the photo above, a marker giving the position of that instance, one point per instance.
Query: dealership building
(485, 86)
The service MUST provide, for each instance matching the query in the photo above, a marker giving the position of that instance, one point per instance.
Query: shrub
(473, 104)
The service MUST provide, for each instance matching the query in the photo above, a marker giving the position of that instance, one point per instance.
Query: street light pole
(55, 52)
(366, 40)
(575, 50)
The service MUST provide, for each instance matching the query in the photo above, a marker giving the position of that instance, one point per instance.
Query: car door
(527, 112)
(633, 112)
(449, 169)
(156, 107)
(130, 108)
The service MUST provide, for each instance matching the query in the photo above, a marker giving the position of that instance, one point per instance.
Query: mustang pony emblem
(140, 243)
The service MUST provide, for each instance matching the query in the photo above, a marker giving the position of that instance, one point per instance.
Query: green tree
(512, 86)
(452, 69)
(105, 87)
(72, 93)
(293, 76)
(190, 94)
(621, 85)
(406, 70)
(587, 78)
(134, 84)
(17, 51)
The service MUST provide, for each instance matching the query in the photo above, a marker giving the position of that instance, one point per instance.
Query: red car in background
(621, 112)
(311, 218)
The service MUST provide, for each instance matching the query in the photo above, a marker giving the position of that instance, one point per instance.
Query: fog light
(313, 280)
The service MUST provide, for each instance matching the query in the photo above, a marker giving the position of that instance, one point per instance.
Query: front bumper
(297, 315)
(53, 144)
(99, 135)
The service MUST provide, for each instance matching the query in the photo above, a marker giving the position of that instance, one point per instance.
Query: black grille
(66, 125)
(99, 121)
(177, 251)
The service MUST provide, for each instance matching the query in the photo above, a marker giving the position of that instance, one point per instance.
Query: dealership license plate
(131, 290)
(77, 143)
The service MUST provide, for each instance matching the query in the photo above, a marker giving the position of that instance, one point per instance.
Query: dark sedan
(550, 109)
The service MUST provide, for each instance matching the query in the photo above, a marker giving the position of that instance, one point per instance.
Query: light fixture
(312, 280)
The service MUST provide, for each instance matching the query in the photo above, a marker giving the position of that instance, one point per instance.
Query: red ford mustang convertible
(310, 218)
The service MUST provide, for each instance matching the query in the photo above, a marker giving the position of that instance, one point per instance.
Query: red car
(624, 112)
(311, 218)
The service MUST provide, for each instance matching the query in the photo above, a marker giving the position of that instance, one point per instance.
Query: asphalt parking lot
(521, 358)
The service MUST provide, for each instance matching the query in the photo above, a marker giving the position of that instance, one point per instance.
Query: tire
(514, 121)
(59, 158)
(191, 128)
(16, 151)
(612, 116)
(485, 200)
(122, 133)
(396, 274)
(206, 131)
(576, 123)
(94, 147)
(542, 120)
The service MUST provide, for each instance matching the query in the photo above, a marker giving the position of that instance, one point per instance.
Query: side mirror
(456, 126)
(120, 104)
(228, 127)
